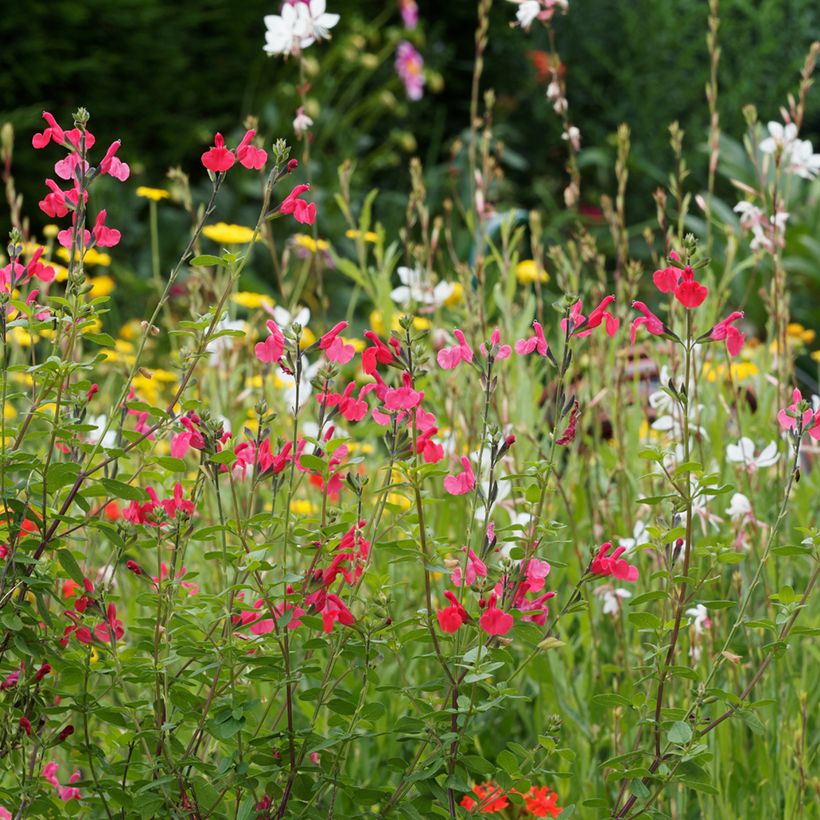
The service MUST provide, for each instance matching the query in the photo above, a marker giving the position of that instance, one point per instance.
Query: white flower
(573, 136)
(219, 347)
(639, 537)
(527, 12)
(802, 160)
(109, 439)
(744, 453)
(780, 137)
(661, 400)
(739, 507)
(612, 598)
(416, 287)
(285, 319)
(301, 122)
(298, 26)
(768, 233)
(699, 616)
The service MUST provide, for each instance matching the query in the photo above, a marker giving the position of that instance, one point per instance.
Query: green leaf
(680, 732)
(205, 260)
(119, 489)
(70, 565)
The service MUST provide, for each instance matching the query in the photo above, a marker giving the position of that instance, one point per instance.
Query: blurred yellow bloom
(224, 234)
(251, 301)
(132, 329)
(369, 236)
(358, 344)
(254, 382)
(92, 326)
(101, 285)
(309, 243)
(22, 337)
(361, 447)
(50, 231)
(740, 371)
(301, 506)
(92, 257)
(796, 331)
(156, 194)
(456, 296)
(399, 500)
(526, 272)
(377, 322)
(30, 247)
(60, 271)
(816, 355)
(9, 412)
(307, 339)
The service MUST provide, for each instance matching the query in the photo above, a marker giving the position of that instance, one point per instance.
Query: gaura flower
(462, 482)
(298, 26)
(744, 453)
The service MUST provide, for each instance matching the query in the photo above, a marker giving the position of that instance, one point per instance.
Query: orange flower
(542, 802)
(490, 799)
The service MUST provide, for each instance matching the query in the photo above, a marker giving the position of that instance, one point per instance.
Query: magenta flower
(501, 351)
(273, 347)
(409, 13)
(725, 330)
(303, 212)
(614, 565)
(536, 343)
(410, 68)
(105, 237)
(652, 323)
(809, 419)
(113, 165)
(53, 132)
(476, 568)
(450, 357)
(462, 482)
(335, 349)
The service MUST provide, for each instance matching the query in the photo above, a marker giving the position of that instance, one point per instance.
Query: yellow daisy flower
(369, 236)
(252, 301)
(155, 194)
(526, 272)
(92, 257)
(101, 286)
(224, 234)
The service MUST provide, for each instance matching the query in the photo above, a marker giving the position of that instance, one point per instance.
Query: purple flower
(410, 68)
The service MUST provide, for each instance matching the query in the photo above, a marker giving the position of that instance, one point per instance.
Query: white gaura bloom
(527, 12)
(780, 137)
(699, 618)
(739, 507)
(299, 25)
(802, 160)
(285, 319)
(744, 453)
(612, 598)
(224, 344)
(416, 287)
(639, 537)
(109, 440)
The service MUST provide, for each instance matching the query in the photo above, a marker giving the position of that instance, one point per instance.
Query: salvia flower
(689, 292)
(648, 319)
(809, 419)
(303, 212)
(497, 350)
(218, 159)
(613, 564)
(273, 347)
(725, 330)
(495, 621)
(536, 343)
(462, 482)
(449, 358)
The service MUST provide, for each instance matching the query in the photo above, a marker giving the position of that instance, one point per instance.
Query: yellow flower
(799, 333)
(92, 326)
(526, 272)
(60, 271)
(50, 231)
(358, 344)
(251, 301)
(456, 296)
(364, 447)
(377, 322)
(92, 257)
(95, 656)
(132, 329)
(165, 376)
(254, 382)
(307, 339)
(9, 412)
(309, 243)
(100, 285)
(301, 506)
(740, 371)
(30, 247)
(22, 336)
(155, 194)
(369, 236)
(399, 501)
(224, 234)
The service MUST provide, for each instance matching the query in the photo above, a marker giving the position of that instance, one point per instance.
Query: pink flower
(667, 279)
(495, 621)
(335, 349)
(600, 314)
(302, 211)
(112, 165)
(250, 156)
(273, 347)
(463, 482)
(378, 354)
(450, 357)
(103, 236)
(54, 204)
(603, 564)
(689, 292)
(218, 159)
(652, 323)
(409, 13)
(535, 343)
(724, 330)
(403, 398)
(67, 168)
(809, 421)
(537, 572)
(410, 68)
(476, 568)
(111, 629)
(53, 132)
(501, 351)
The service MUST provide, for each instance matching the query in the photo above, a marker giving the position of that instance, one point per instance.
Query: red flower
(105, 237)
(304, 212)
(489, 796)
(53, 132)
(495, 621)
(689, 292)
(250, 156)
(219, 158)
(451, 617)
(603, 564)
(542, 802)
(652, 323)
(666, 280)
(725, 330)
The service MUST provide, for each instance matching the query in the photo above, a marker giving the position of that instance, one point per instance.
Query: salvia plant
(478, 539)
